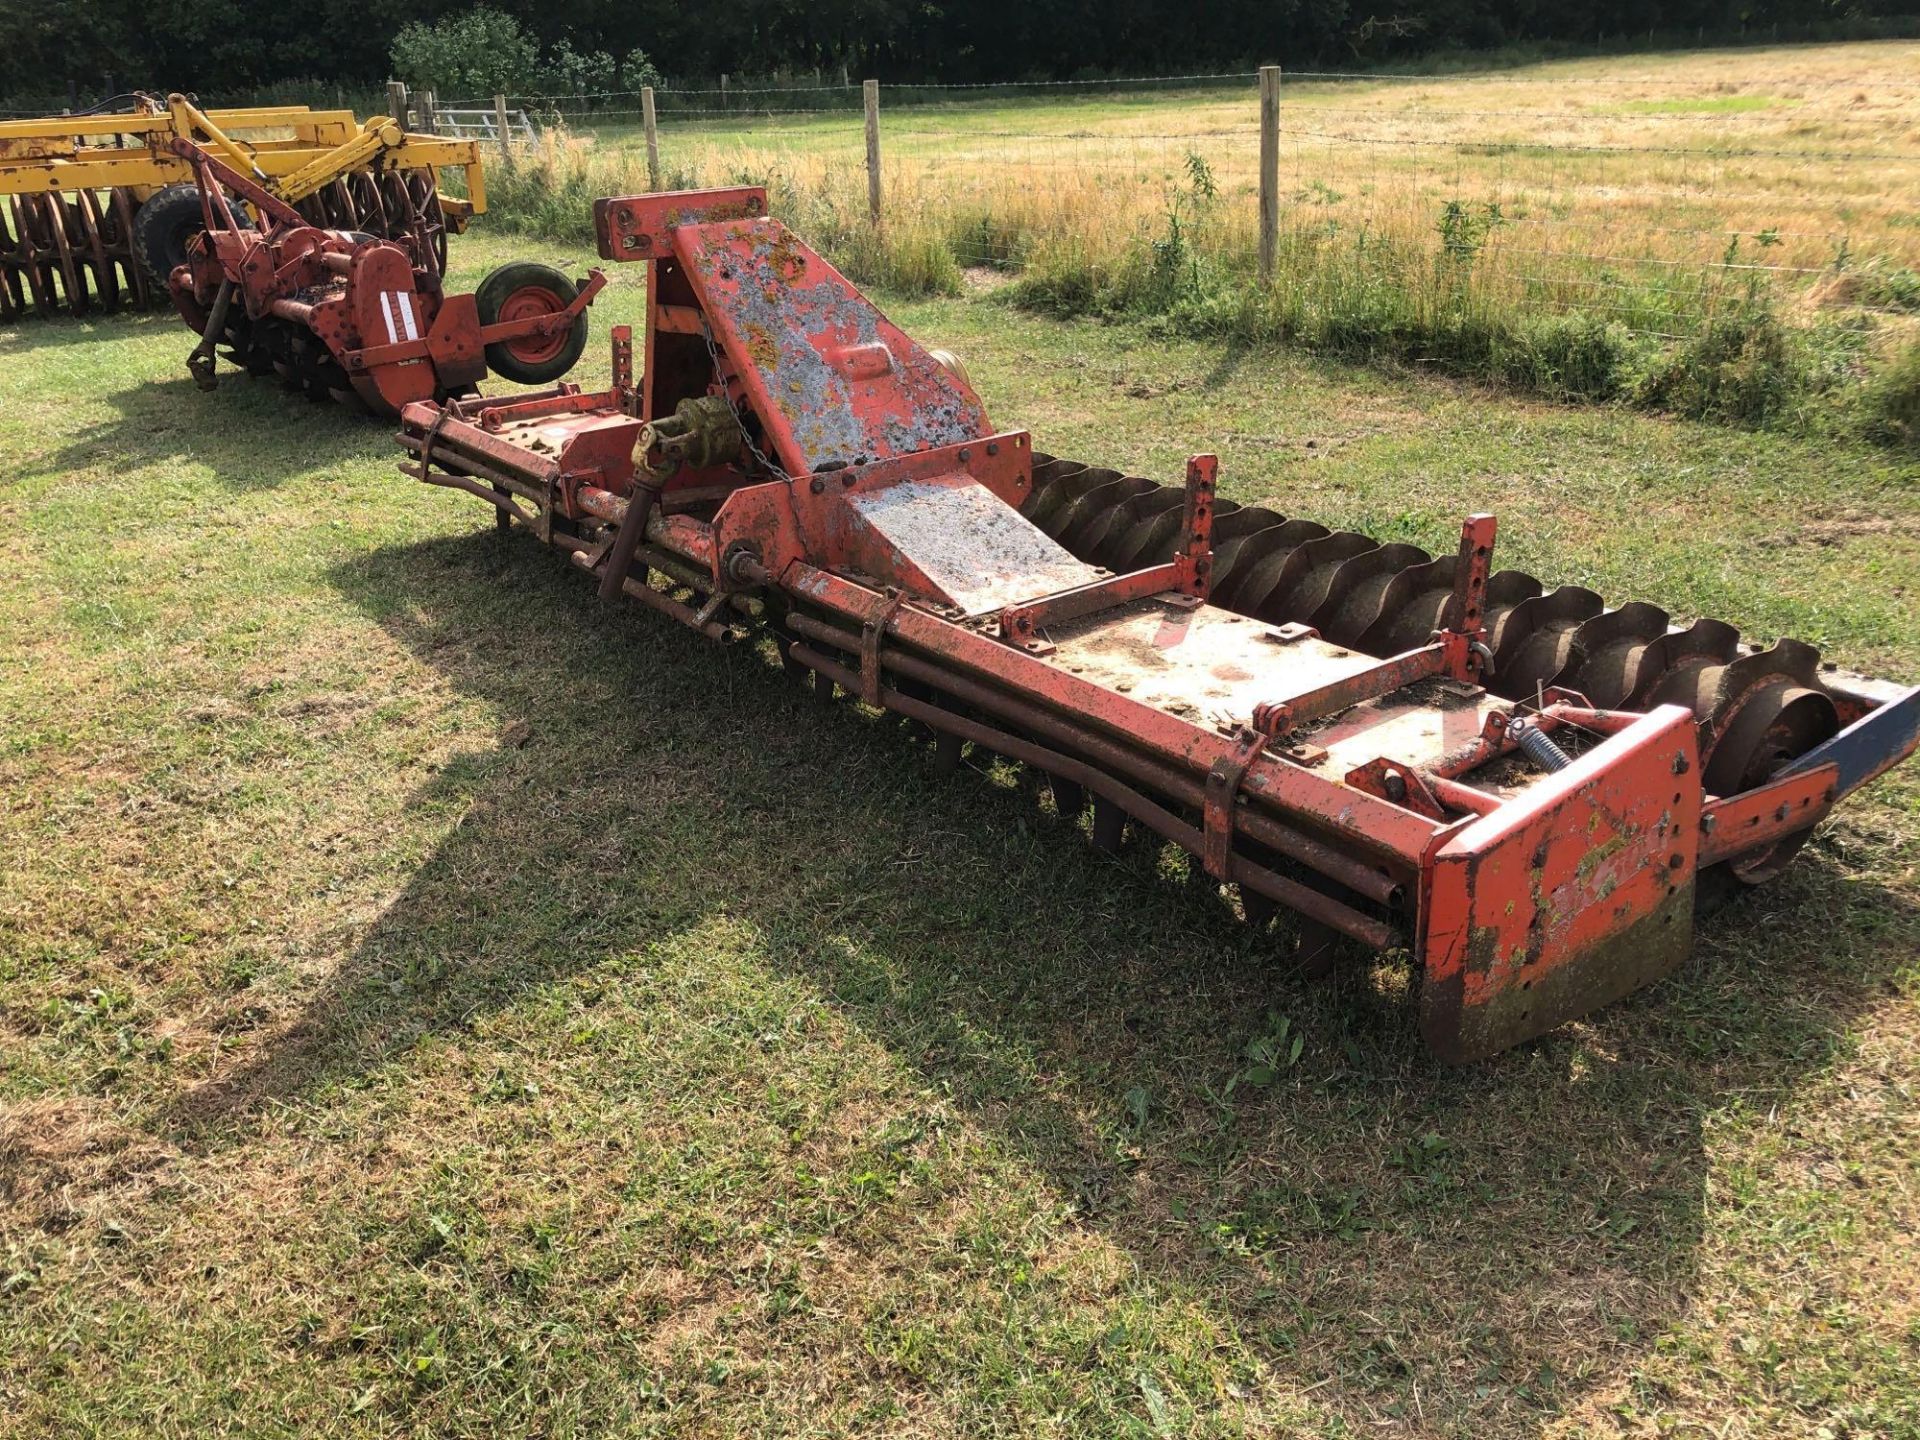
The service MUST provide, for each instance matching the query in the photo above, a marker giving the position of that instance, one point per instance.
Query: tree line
(226, 48)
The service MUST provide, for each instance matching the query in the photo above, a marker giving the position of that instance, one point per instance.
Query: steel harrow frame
(1385, 598)
(1524, 790)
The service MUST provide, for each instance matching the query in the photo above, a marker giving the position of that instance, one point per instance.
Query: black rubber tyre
(163, 226)
(519, 289)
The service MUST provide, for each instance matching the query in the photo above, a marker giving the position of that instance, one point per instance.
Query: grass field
(434, 1003)
(1582, 155)
(1725, 232)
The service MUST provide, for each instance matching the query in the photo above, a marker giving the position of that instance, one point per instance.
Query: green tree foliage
(576, 72)
(485, 51)
(637, 70)
(478, 52)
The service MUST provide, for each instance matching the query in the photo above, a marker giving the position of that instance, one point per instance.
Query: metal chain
(713, 355)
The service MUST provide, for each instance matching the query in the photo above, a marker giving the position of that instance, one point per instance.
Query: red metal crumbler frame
(375, 305)
(861, 495)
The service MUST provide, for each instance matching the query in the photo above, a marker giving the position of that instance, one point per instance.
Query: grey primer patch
(816, 397)
(980, 551)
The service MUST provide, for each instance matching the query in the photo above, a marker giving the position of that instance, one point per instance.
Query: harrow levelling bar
(1525, 791)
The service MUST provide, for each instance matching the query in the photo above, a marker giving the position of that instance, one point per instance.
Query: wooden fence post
(397, 102)
(423, 112)
(653, 137)
(870, 91)
(1269, 169)
(505, 135)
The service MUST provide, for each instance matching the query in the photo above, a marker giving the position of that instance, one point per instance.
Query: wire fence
(1650, 200)
(828, 97)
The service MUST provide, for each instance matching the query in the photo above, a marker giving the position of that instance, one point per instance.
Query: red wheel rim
(527, 303)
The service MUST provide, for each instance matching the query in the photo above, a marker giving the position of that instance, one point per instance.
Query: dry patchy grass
(1600, 228)
(433, 1002)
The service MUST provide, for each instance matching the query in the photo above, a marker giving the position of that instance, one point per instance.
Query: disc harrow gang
(399, 205)
(1525, 791)
(72, 188)
(70, 254)
(73, 254)
(1755, 708)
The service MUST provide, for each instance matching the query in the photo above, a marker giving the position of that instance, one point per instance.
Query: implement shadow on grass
(1227, 365)
(253, 434)
(33, 333)
(1481, 1246)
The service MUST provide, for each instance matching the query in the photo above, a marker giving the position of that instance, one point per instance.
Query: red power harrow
(1524, 790)
(355, 317)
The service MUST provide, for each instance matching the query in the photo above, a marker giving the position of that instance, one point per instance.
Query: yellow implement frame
(294, 151)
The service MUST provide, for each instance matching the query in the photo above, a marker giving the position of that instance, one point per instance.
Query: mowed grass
(432, 1002)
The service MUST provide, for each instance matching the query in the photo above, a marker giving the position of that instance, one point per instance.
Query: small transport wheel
(166, 223)
(163, 225)
(521, 291)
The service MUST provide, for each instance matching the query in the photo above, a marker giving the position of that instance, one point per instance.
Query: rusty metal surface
(457, 440)
(1030, 622)
(1220, 812)
(1385, 599)
(1761, 817)
(1418, 727)
(1282, 714)
(1203, 662)
(833, 380)
(387, 334)
(1189, 572)
(1371, 825)
(1335, 723)
(1567, 898)
(640, 227)
(1193, 547)
(576, 449)
(1872, 744)
(813, 518)
(1379, 883)
(1308, 901)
